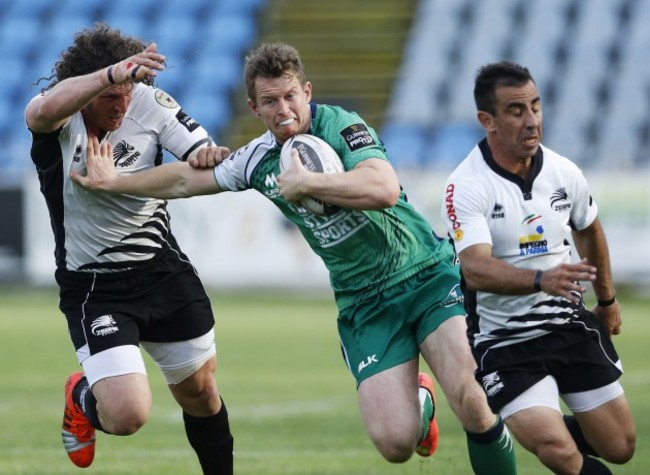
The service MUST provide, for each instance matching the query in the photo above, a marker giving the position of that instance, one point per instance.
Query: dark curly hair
(94, 49)
(272, 60)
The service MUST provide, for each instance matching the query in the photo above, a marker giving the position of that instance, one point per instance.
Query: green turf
(292, 403)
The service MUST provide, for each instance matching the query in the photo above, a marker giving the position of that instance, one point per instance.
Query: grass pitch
(292, 404)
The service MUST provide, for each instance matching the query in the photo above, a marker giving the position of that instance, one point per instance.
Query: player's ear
(307, 88)
(253, 107)
(485, 119)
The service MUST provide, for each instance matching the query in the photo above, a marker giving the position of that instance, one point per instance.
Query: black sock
(82, 395)
(591, 466)
(579, 438)
(212, 441)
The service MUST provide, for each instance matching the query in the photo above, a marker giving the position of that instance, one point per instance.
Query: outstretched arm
(174, 180)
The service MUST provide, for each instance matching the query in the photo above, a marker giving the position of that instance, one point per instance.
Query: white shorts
(545, 393)
(177, 360)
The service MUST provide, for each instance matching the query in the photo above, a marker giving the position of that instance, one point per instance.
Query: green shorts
(386, 330)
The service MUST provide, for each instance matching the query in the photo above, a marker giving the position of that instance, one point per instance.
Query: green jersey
(365, 252)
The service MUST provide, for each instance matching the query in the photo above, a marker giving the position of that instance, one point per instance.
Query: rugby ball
(317, 156)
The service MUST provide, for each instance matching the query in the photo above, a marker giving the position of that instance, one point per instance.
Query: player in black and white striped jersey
(511, 209)
(124, 280)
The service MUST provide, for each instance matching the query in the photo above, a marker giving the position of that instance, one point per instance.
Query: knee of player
(201, 403)
(620, 450)
(209, 403)
(393, 448)
(397, 454)
(128, 421)
(556, 455)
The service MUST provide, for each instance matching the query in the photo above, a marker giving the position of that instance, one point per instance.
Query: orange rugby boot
(77, 432)
(429, 442)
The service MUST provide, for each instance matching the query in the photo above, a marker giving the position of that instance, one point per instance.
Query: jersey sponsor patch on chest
(333, 230)
(357, 136)
(532, 241)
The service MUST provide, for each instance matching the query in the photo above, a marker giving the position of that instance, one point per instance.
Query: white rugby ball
(317, 156)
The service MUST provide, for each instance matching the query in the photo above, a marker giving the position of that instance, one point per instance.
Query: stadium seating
(589, 59)
(204, 41)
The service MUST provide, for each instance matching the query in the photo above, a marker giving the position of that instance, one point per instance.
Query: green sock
(427, 411)
(492, 452)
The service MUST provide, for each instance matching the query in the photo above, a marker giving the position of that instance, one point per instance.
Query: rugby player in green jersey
(396, 284)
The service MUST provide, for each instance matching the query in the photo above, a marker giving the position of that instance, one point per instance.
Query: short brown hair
(272, 60)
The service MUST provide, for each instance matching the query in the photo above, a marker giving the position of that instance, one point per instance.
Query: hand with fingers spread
(137, 68)
(100, 167)
(565, 280)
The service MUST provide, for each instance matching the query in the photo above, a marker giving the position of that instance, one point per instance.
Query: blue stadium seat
(174, 34)
(218, 70)
(211, 110)
(229, 32)
(59, 34)
(41, 66)
(18, 35)
(78, 8)
(20, 9)
(450, 143)
(17, 148)
(128, 25)
(12, 75)
(248, 7)
(177, 9)
(143, 9)
(404, 144)
(7, 109)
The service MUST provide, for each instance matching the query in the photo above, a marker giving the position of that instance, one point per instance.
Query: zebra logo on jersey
(104, 325)
(560, 196)
(123, 154)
